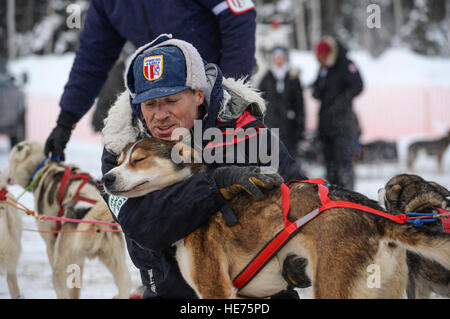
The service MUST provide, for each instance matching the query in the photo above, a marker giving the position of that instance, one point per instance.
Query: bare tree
(50, 11)
(316, 21)
(11, 28)
(300, 23)
(398, 16)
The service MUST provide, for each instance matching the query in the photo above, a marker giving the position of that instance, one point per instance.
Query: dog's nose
(108, 180)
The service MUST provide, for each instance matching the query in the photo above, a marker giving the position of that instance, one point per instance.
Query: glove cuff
(67, 120)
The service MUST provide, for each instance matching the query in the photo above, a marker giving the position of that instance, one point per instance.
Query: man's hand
(58, 138)
(232, 180)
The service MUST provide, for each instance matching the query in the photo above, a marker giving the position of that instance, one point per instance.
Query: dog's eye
(139, 160)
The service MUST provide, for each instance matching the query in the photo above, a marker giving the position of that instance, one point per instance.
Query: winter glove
(232, 180)
(58, 138)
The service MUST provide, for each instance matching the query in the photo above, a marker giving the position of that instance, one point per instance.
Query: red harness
(66, 177)
(291, 228)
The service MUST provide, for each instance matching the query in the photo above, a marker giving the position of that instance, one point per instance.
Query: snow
(47, 76)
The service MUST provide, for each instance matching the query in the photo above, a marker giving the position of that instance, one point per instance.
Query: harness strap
(66, 177)
(292, 228)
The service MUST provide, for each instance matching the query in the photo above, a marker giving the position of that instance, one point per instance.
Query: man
(338, 82)
(223, 32)
(169, 87)
(283, 93)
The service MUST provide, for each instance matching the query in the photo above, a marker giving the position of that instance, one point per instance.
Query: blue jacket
(152, 223)
(221, 37)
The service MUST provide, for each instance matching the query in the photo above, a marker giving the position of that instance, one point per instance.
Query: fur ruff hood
(122, 126)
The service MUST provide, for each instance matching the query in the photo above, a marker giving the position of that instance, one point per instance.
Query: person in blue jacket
(169, 86)
(222, 31)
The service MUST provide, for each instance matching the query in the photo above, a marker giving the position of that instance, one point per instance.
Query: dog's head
(150, 165)
(411, 193)
(24, 158)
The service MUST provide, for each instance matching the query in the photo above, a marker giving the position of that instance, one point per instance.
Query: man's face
(279, 60)
(322, 58)
(164, 115)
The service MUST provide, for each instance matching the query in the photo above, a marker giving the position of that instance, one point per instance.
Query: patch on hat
(240, 6)
(153, 67)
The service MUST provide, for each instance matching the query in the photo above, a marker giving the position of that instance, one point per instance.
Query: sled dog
(10, 245)
(66, 248)
(341, 245)
(411, 193)
(434, 148)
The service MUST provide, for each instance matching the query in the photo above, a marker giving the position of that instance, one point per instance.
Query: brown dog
(346, 249)
(411, 193)
(434, 148)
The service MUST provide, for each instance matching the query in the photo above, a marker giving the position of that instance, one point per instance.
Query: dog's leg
(205, 268)
(113, 256)
(62, 259)
(75, 292)
(13, 286)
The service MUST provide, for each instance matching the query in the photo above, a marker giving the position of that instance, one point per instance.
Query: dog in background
(434, 148)
(411, 193)
(377, 152)
(65, 248)
(338, 245)
(10, 245)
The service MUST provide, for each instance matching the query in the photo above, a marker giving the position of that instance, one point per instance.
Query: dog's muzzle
(108, 180)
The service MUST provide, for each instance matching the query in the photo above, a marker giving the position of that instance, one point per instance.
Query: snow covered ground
(47, 76)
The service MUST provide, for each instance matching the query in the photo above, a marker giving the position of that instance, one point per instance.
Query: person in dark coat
(283, 92)
(222, 31)
(338, 82)
(180, 91)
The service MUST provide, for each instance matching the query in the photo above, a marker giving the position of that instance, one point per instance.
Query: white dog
(80, 240)
(10, 246)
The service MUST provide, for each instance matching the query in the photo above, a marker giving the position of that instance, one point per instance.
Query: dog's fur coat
(411, 193)
(339, 245)
(64, 249)
(10, 245)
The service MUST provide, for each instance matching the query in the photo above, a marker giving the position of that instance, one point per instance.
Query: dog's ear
(122, 155)
(393, 192)
(23, 150)
(183, 153)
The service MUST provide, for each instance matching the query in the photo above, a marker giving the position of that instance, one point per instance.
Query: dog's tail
(429, 243)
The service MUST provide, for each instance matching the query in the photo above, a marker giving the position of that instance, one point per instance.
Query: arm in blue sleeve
(100, 46)
(159, 219)
(237, 32)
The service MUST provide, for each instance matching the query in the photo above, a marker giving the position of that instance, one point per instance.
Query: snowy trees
(41, 26)
(421, 25)
(37, 27)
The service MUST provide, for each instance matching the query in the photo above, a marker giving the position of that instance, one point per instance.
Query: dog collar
(3, 193)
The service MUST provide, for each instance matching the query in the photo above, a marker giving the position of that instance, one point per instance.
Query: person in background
(337, 83)
(222, 31)
(284, 94)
